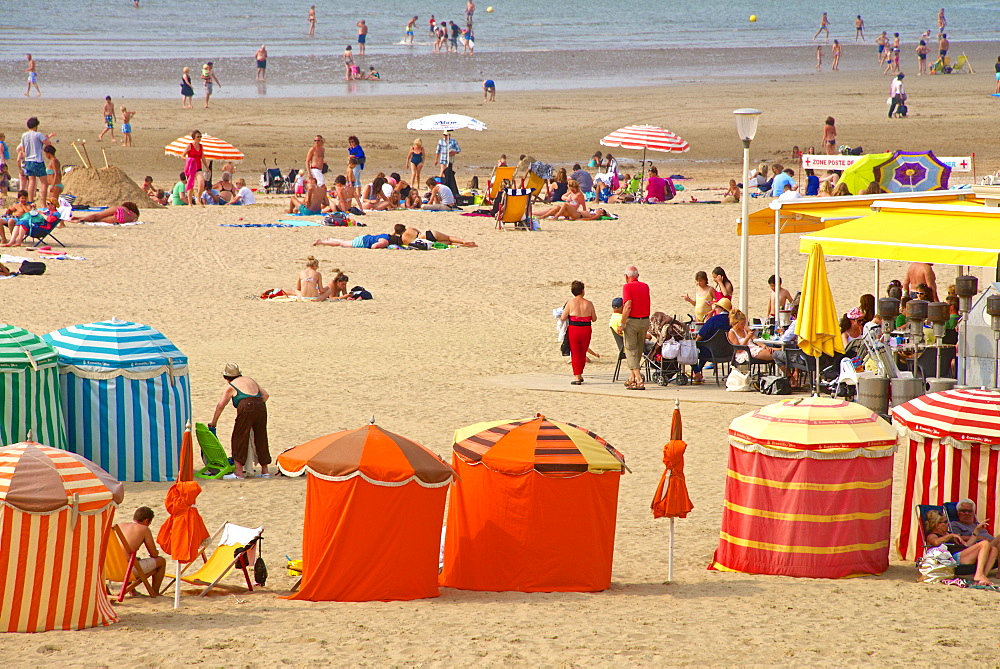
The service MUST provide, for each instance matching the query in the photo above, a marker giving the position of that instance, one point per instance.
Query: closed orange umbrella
(671, 499)
(184, 530)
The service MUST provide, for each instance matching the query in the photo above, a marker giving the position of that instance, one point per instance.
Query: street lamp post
(746, 126)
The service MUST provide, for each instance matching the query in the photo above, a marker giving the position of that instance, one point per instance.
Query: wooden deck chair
(922, 510)
(235, 548)
(962, 63)
(496, 182)
(120, 565)
(535, 184)
(515, 207)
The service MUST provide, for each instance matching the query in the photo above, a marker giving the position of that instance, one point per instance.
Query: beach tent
(951, 441)
(534, 508)
(125, 395)
(29, 389)
(56, 512)
(808, 491)
(374, 506)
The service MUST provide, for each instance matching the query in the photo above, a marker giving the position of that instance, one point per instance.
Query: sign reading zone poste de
(838, 162)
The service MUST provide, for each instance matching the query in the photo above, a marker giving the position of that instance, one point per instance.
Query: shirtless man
(312, 20)
(407, 235)
(941, 21)
(32, 76)
(920, 273)
(882, 41)
(109, 119)
(470, 9)
(859, 29)
(943, 45)
(313, 203)
(136, 535)
(784, 297)
(315, 159)
(410, 27)
(362, 36)
(21, 207)
(824, 24)
(261, 63)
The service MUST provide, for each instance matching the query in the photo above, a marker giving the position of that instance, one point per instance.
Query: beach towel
(482, 212)
(101, 224)
(279, 224)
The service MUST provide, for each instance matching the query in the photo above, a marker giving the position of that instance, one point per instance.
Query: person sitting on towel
(441, 198)
(137, 535)
(243, 194)
(313, 203)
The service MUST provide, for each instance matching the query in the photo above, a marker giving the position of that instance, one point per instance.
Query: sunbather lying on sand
(568, 211)
(407, 235)
(361, 241)
(128, 212)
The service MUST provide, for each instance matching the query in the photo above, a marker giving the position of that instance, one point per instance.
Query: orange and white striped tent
(808, 491)
(56, 511)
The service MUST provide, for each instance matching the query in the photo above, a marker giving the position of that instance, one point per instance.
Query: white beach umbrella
(443, 122)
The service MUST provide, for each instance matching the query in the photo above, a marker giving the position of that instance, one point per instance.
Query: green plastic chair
(217, 463)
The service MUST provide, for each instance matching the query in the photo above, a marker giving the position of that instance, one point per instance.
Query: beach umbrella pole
(670, 554)
(177, 584)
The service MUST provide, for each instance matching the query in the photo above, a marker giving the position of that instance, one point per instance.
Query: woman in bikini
(53, 173)
(416, 160)
(310, 282)
(128, 212)
(226, 189)
(721, 285)
(569, 212)
(830, 136)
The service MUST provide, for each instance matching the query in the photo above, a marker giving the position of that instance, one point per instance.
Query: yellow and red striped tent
(808, 491)
(56, 511)
(534, 508)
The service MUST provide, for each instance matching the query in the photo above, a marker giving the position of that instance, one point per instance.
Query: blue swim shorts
(33, 169)
(306, 211)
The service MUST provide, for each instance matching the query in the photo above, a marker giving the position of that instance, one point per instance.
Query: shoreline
(323, 76)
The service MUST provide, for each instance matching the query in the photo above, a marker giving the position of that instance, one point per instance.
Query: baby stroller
(271, 180)
(666, 361)
(290, 181)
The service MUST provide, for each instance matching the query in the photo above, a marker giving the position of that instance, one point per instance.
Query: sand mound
(104, 187)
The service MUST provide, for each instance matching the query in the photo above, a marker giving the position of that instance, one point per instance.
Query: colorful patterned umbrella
(646, 137)
(907, 171)
(378, 456)
(546, 446)
(215, 148)
(960, 415)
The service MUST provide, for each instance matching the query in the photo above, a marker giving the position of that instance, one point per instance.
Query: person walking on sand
(882, 41)
(30, 153)
(896, 94)
(209, 78)
(447, 149)
(127, 126)
(187, 90)
(410, 28)
(109, 119)
(830, 136)
(859, 29)
(996, 67)
(261, 58)
(312, 20)
(362, 36)
(819, 58)
(836, 56)
(250, 402)
(316, 159)
(635, 325)
(824, 25)
(32, 76)
(579, 313)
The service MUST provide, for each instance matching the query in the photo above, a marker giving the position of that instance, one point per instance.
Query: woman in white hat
(250, 402)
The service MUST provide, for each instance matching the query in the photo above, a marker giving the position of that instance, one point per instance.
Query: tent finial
(372, 421)
(31, 436)
(677, 403)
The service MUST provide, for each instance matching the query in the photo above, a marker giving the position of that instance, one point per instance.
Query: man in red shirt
(635, 325)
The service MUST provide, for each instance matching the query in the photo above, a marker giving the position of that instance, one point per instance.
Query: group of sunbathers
(382, 194)
(20, 226)
(401, 236)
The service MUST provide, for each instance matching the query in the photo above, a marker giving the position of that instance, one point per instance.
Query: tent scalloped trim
(848, 454)
(137, 374)
(908, 432)
(385, 484)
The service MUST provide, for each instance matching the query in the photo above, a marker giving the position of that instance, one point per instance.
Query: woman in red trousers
(580, 313)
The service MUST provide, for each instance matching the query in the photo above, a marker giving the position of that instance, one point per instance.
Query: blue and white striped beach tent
(29, 389)
(126, 397)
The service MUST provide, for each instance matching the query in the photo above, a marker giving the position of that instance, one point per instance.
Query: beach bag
(902, 110)
(670, 349)
(774, 385)
(688, 352)
(259, 571)
(564, 346)
(937, 564)
(338, 218)
(421, 245)
(32, 268)
(737, 381)
(359, 293)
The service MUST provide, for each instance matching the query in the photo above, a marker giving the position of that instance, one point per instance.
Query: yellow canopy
(818, 326)
(948, 235)
(811, 214)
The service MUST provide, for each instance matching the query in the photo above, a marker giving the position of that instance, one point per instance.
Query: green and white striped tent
(29, 389)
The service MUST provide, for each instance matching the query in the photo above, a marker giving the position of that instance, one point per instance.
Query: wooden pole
(82, 159)
(104, 151)
(83, 142)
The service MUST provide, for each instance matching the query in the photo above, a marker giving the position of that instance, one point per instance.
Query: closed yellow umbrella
(818, 327)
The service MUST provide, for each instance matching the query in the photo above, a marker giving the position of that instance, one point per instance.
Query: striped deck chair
(515, 207)
(120, 565)
(496, 182)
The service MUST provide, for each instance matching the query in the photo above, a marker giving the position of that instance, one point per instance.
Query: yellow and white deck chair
(496, 182)
(962, 63)
(229, 540)
(121, 565)
(515, 207)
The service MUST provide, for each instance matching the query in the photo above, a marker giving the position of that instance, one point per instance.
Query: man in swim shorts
(109, 119)
(313, 203)
(361, 241)
(32, 76)
(489, 91)
(409, 30)
(943, 45)
(362, 36)
(261, 63)
(137, 535)
(316, 158)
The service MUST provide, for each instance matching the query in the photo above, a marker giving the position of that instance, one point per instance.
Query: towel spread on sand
(279, 224)
(295, 298)
(4, 258)
(102, 224)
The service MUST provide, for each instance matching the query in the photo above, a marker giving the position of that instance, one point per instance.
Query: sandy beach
(427, 354)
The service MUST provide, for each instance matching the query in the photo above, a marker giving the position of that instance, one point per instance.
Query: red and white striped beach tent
(808, 491)
(952, 447)
(56, 511)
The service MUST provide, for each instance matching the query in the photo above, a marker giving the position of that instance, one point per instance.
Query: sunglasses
(966, 511)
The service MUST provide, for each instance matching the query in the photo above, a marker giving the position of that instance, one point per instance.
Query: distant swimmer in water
(410, 27)
(836, 56)
(824, 25)
(312, 20)
(859, 29)
(819, 58)
(362, 36)
(261, 58)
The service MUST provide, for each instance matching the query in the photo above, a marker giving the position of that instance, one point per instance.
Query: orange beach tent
(808, 491)
(374, 506)
(56, 512)
(534, 508)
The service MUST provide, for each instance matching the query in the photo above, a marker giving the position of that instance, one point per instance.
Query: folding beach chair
(120, 565)
(962, 63)
(515, 207)
(534, 183)
(922, 510)
(236, 547)
(217, 463)
(496, 182)
(40, 226)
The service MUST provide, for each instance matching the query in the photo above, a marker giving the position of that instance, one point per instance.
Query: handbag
(737, 381)
(671, 349)
(564, 346)
(774, 385)
(688, 353)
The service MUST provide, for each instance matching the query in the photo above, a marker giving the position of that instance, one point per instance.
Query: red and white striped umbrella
(215, 148)
(964, 415)
(646, 137)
